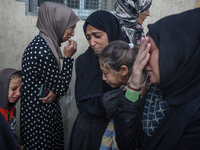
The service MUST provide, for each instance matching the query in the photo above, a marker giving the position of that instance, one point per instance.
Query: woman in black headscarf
(89, 89)
(170, 54)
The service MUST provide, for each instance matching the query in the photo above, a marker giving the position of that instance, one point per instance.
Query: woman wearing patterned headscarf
(41, 118)
(131, 14)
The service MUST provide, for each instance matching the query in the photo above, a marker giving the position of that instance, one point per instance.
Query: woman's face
(14, 92)
(96, 38)
(152, 66)
(69, 33)
(143, 16)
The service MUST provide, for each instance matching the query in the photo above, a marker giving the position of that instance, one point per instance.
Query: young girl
(116, 61)
(10, 93)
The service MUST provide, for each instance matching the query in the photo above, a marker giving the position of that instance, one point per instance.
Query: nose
(147, 67)
(92, 42)
(147, 12)
(72, 34)
(19, 92)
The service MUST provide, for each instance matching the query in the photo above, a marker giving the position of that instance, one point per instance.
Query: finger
(143, 45)
(142, 52)
(74, 44)
(44, 98)
(147, 56)
(67, 45)
(143, 60)
(47, 101)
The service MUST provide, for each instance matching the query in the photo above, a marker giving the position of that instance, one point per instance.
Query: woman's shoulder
(85, 56)
(37, 48)
(40, 44)
(38, 40)
(82, 56)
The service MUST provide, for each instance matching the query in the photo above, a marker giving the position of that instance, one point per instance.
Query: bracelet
(131, 88)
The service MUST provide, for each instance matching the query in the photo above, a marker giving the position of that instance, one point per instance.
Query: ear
(124, 70)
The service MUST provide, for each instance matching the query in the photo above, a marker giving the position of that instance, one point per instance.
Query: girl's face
(96, 38)
(152, 66)
(69, 33)
(112, 78)
(14, 92)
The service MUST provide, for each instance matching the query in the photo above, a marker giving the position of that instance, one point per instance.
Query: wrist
(131, 87)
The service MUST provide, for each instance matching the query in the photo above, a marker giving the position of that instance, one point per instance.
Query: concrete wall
(17, 30)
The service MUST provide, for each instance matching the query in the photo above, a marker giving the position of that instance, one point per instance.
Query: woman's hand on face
(70, 48)
(138, 74)
(49, 98)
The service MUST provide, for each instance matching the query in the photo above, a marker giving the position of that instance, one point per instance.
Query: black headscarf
(105, 21)
(89, 83)
(178, 40)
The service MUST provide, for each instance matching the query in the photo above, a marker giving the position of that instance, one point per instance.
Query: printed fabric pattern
(108, 140)
(41, 124)
(127, 12)
(155, 109)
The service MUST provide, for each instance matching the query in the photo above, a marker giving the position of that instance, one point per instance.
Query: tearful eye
(97, 36)
(88, 38)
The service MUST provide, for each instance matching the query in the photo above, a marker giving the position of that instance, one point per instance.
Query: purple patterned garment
(127, 12)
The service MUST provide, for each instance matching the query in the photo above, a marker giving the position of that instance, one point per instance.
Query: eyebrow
(95, 32)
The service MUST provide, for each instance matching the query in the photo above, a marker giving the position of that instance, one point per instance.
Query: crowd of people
(133, 91)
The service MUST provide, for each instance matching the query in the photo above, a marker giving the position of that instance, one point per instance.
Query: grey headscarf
(5, 75)
(53, 20)
(127, 12)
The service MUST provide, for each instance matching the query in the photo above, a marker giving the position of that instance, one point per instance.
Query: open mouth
(15, 99)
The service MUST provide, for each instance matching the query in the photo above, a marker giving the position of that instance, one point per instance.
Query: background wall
(17, 30)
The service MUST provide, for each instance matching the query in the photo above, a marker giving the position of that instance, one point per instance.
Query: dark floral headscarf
(127, 12)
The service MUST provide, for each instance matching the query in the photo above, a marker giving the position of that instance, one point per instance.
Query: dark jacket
(179, 52)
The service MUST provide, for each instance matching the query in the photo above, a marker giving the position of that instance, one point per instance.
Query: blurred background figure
(131, 15)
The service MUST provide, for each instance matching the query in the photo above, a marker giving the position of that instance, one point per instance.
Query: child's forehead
(104, 68)
(16, 79)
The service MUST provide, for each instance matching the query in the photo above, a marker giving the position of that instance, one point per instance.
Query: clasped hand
(49, 98)
(70, 48)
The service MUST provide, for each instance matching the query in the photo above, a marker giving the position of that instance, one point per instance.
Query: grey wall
(17, 30)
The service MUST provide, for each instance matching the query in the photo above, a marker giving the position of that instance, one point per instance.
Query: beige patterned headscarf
(53, 20)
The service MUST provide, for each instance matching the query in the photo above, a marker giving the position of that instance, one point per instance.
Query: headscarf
(90, 83)
(127, 11)
(104, 21)
(5, 75)
(178, 40)
(53, 20)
